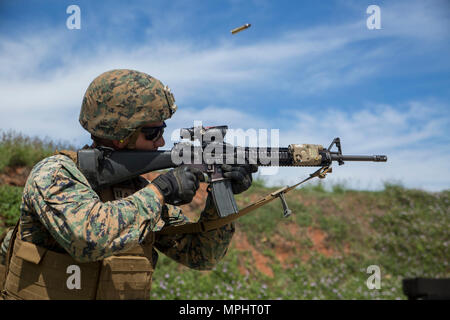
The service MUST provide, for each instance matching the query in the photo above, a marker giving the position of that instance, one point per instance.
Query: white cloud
(408, 139)
(427, 20)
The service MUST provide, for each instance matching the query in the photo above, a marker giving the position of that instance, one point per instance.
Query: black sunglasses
(153, 133)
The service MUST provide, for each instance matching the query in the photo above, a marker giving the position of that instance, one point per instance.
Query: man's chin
(147, 149)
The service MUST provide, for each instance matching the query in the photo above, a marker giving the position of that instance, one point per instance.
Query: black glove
(178, 186)
(240, 175)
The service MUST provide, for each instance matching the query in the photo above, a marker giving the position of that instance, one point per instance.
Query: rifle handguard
(306, 154)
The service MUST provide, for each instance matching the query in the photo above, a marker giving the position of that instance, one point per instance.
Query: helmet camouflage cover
(118, 102)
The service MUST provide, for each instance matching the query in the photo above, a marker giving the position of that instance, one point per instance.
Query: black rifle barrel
(375, 158)
(284, 158)
(268, 156)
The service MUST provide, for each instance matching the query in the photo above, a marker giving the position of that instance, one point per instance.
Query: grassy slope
(321, 252)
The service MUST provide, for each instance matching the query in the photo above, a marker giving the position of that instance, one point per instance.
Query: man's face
(141, 142)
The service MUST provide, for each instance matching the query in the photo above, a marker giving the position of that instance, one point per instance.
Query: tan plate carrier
(36, 273)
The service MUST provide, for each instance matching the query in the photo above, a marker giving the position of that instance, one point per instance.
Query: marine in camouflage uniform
(111, 233)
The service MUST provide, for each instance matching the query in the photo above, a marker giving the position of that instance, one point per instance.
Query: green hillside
(322, 251)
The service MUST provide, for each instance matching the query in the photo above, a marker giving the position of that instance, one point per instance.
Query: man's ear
(120, 144)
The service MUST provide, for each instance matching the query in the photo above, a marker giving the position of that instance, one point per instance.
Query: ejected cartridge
(245, 26)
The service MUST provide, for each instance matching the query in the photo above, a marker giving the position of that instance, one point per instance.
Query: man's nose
(160, 142)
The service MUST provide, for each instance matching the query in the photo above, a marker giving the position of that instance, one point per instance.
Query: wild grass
(17, 150)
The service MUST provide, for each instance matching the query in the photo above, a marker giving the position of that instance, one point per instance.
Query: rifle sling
(9, 253)
(205, 226)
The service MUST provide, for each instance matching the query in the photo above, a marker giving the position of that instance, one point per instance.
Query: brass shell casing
(239, 29)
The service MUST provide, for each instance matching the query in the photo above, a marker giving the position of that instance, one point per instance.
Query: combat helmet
(118, 102)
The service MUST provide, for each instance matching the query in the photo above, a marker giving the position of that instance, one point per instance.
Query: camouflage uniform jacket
(59, 204)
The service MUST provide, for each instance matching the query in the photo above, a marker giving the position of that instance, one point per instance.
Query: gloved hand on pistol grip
(240, 175)
(178, 186)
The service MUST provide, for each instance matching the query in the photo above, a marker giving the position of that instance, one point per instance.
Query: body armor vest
(34, 272)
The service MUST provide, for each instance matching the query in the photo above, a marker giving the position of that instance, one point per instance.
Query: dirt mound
(285, 249)
(318, 238)
(15, 176)
(240, 242)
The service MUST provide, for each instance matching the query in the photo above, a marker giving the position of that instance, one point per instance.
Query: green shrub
(336, 227)
(10, 199)
(18, 150)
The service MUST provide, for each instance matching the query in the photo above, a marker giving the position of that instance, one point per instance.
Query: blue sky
(311, 69)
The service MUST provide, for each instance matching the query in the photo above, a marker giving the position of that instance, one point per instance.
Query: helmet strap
(132, 140)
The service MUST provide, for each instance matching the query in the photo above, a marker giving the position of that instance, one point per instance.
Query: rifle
(103, 166)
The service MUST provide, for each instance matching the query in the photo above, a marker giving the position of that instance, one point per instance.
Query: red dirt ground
(318, 237)
(15, 176)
